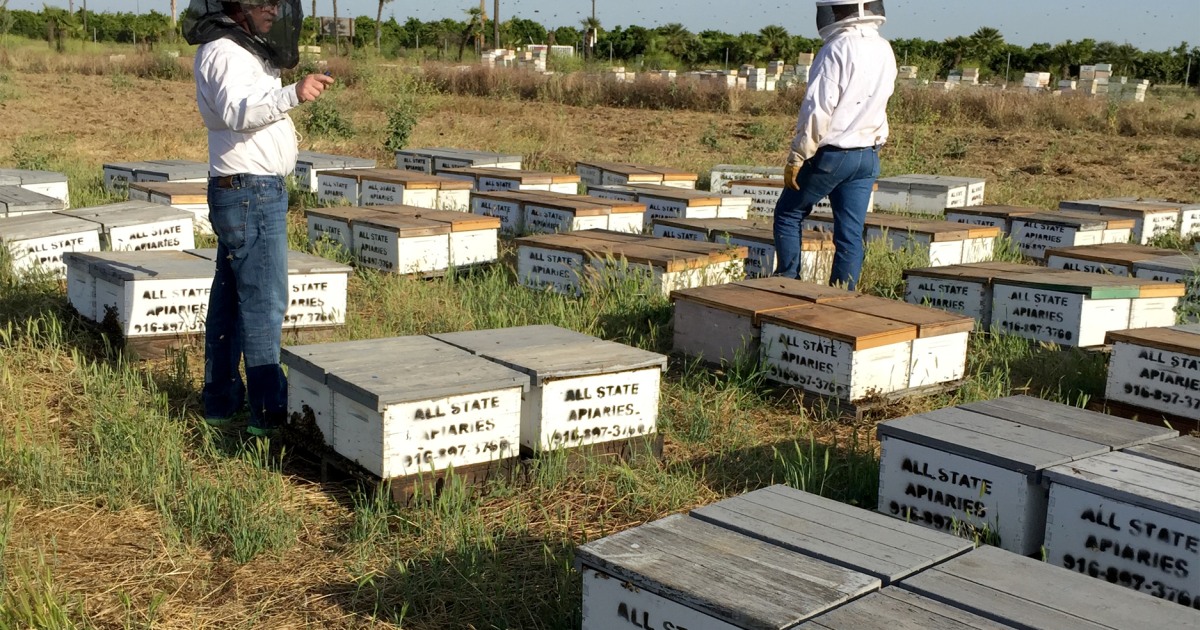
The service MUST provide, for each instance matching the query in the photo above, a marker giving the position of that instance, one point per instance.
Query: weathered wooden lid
(127, 166)
(984, 273)
(736, 298)
(693, 198)
(566, 242)
(995, 211)
(1183, 264)
(460, 154)
(861, 331)
(627, 193)
(734, 578)
(1111, 431)
(460, 221)
(121, 267)
(759, 182)
(14, 199)
(1182, 339)
(1095, 286)
(1078, 221)
(937, 231)
(346, 213)
(1181, 451)
(411, 180)
(1090, 205)
(42, 225)
(128, 213)
(175, 192)
(930, 322)
(807, 291)
(695, 225)
(403, 226)
(1112, 253)
(895, 608)
(1025, 593)
(1137, 209)
(298, 262)
(1021, 446)
(617, 206)
(1139, 481)
(521, 176)
(851, 537)
(674, 254)
(579, 206)
(330, 161)
(412, 369)
(174, 169)
(670, 174)
(21, 177)
(550, 352)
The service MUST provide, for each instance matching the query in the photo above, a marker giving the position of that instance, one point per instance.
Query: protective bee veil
(835, 14)
(268, 28)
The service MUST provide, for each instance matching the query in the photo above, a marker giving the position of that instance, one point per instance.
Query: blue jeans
(847, 177)
(248, 300)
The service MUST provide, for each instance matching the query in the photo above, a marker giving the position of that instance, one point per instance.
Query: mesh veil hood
(205, 21)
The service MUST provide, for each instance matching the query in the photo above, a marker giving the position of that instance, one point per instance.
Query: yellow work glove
(790, 173)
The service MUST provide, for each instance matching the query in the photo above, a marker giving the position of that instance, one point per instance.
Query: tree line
(667, 46)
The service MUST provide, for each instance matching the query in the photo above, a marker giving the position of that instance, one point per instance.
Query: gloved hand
(790, 174)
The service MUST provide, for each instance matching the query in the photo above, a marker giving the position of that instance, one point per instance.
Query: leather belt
(227, 181)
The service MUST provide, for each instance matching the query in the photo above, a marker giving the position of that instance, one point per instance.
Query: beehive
(474, 240)
(42, 182)
(149, 293)
(976, 469)
(503, 205)
(188, 196)
(897, 608)
(1117, 259)
(963, 289)
(551, 216)
(451, 409)
(764, 194)
(598, 173)
(722, 176)
(583, 391)
(139, 225)
(118, 175)
(1157, 369)
(309, 163)
(1035, 233)
(1073, 308)
(333, 224)
(16, 201)
(930, 194)
(946, 243)
(488, 179)
(989, 216)
(316, 289)
(816, 257)
(1129, 520)
(388, 187)
(401, 244)
(1181, 451)
(38, 241)
(1149, 219)
(431, 161)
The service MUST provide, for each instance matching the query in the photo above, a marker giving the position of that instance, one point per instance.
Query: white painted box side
(45, 253)
(305, 395)
(940, 359)
(538, 268)
(630, 222)
(594, 409)
(175, 234)
(474, 247)
(610, 603)
(971, 299)
(455, 431)
(453, 200)
(1059, 261)
(316, 300)
(510, 213)
(1156, 379)
(334, 230)
(1152, 312)
(162, 307)
(333, 190)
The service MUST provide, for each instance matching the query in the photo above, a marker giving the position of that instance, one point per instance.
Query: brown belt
(227, 181)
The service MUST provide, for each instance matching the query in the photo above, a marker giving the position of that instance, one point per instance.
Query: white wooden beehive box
(452, 409)
(390, 187)
(764, 194)
(664, 264)
(583, 390)
(333, 224)
(462, 158)
(989, 216)
(489, 179)
(962, 289)
(553, 262)
(1129, 520)
(140, 225)
(1183, 451)
(976, 470)
(309, 163)
(187, 196)
(1035, 233)
(37, 242)
(16, 201)
(182, 171)
(339, 187)
(722, 176)
(1150, 220)
(552, 216)
(46, 183)
(1156, 369)
(506, 206)
(947, 243)
(474, 239)
(401, 244)
(1117, 259)
(151, 293)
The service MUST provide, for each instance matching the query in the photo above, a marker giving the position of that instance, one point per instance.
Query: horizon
(1156, 27)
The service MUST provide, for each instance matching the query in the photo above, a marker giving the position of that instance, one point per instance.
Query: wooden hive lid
(996, 211)
(767, 237)
(126, 166)
(314, 360)
(603, 165)
(977, 272)
(857, 539)
(791, 287)
(175, 192)
(1018, 446)
(501, 195)
(1096, 286)
(1109, 221)
(759, 182)
(413, 180)
(1116, 253)
(549, 352)
(666, 257)
(670, 174)
(930, 322)
(736, 298)
(298, 262)
(1125, 208)
(121, 267)
(523, 177)
(42, 225)
(565, 242)
(1111, 431)
(1183, 264)
(1139, 481)
(174, 169)
(15, 198)
(695, 225)
(431, 370)
(898, 608)
(734, 578)
(460, 221)
(1181, 451)
(1079, 221)
(22, 177)
(938, 231)
(1021, 592)
(403, 226)
(860, 330)
(128, 213)
(716, 252)
(617, 206)
(579, 206)
(1090, 205)
(345, 213)
(1173, 339)
(693, 198)
(330, 161)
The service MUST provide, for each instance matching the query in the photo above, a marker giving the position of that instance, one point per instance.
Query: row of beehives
(1103, 496)
(468, 399)
(1086, 222)
(149, 294)
(779, 558)
(27, 192)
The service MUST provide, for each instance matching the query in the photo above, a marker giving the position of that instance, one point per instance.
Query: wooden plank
(1026, 593)
(898, 609)
(1116, 433)
(1139, 481)
(731, 577)
(1167, 339)
(984, 272)
(1120, 253)
(1181, 451)
(861, 331)
(854, 538)
(736, 298)
(807, 291)
(929, 322)
(404, 227)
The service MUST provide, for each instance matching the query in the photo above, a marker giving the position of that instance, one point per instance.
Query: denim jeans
(847, 177)
(248, 300)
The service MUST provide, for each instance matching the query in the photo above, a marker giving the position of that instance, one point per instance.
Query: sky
(1147, 24)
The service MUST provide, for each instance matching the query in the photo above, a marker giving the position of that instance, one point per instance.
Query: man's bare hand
(790, 174)
(312, 86)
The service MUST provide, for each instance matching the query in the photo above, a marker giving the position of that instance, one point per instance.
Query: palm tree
(474, 28)
(776, 40)
(379, 25)
(1125, 58)
(958, 47)
(591, 34)
(985, 43)
(677, 40)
